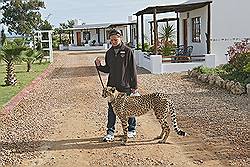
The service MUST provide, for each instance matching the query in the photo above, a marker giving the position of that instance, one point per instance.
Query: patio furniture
(188, 51)
(180, 50)
(183, 55)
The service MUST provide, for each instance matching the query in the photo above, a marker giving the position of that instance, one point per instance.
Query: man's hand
(97, 61)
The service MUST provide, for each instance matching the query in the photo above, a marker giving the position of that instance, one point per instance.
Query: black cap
(114, 32)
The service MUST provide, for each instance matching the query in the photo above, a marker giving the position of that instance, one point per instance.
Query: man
(120, 64)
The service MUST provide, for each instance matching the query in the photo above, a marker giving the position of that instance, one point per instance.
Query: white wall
(199, 48)
(102, 32)
(154, 64)
(229, 24)
(230, 21)
(133, 35)
(75, 36)
(94, 35)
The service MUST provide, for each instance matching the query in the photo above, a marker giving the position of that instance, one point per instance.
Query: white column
(210, 60)
(156, 64)
(50, 47)
(105, 46)
(137, 56)
(141, 59)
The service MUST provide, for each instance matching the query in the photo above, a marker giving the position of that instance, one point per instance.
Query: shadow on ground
(73, 72)
(87, 143)
(84, 71)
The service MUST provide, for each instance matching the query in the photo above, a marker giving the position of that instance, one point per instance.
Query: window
(196, 29)
(86, 35)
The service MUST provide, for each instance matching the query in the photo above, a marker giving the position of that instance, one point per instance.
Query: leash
(99, 75)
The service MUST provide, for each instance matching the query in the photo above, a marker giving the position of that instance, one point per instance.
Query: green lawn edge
(23, 79)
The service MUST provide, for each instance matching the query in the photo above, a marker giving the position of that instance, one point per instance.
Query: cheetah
(126, 106)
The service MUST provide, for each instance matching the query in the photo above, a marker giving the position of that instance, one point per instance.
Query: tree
(63, 27)
(68, 24)
(9, 53)
(30, 56)
(3, 37)
(22, 17)
(59, 31)
(167, 32)
(166, 35)
(45, 25)
(71, 23)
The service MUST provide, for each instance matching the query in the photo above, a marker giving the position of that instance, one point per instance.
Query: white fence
(45, 39)
(154, 63)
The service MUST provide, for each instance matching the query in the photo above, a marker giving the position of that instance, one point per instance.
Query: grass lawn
(23, 79)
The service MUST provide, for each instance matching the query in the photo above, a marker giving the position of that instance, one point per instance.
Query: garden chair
(182, 51)
(188, 51)
(179, 51)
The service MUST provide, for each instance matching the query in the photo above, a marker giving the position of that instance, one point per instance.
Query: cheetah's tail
(174, 121)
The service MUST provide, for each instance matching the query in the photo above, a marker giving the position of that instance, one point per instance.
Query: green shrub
(228, 67)
(247, 68)
(207, 70)
(240, 76)
(167, 50)
(238, 71)
(147, 47)
(240, 61)
(238, 68)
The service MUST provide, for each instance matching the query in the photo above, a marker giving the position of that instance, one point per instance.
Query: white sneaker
(108, 137)
(131, 134)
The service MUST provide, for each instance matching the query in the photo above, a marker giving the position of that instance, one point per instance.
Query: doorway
(78, 37)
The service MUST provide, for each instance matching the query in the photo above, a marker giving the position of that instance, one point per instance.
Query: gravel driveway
(61, 122)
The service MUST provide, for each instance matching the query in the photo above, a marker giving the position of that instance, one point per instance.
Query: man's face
(115, 40)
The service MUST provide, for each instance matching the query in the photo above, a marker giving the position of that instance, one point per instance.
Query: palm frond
(167, 32)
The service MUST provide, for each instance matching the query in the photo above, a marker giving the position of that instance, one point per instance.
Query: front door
(78, 37)
(185, 35)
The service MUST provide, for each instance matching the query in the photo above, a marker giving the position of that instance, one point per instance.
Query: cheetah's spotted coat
(126, 106)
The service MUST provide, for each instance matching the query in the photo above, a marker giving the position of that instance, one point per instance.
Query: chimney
(130, 18)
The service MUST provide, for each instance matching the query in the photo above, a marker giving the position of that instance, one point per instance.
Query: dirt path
(73, 121)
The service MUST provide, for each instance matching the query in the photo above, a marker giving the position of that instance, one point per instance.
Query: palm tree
(9, 53)
(30, 56)
(167, 32)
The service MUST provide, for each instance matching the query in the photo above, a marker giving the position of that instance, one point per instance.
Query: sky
(96, 11)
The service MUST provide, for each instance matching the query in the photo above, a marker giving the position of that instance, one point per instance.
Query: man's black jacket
(121, 68)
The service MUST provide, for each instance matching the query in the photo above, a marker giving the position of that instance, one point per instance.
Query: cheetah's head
(110, 92)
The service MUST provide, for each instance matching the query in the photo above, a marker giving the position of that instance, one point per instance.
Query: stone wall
(231, 86)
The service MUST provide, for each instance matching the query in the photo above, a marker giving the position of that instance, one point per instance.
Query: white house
(209, 27)
(96, 36)
(225, 21)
